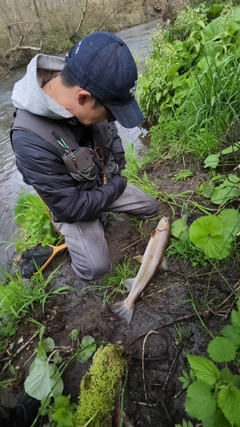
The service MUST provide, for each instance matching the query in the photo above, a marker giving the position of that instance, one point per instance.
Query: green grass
(18, 296)
(136, 175)
(113, 282)
(33, 218)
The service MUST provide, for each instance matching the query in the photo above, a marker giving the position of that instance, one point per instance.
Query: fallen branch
(20, 47)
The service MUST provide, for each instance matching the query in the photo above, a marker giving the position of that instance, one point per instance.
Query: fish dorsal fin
(129, 284)
(138, 258)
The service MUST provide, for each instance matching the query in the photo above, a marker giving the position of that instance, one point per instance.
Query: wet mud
(171, 319)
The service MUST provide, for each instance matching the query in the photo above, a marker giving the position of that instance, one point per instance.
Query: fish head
(164, 224)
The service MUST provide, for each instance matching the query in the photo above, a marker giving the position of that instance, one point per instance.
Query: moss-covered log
(100, 386)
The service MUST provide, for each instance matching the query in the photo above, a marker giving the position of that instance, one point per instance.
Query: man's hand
(120, 160)
(119, 180)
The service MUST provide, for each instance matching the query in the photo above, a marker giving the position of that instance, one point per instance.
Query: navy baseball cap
(102, 64)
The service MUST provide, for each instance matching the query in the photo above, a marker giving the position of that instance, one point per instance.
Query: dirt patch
(165, 325)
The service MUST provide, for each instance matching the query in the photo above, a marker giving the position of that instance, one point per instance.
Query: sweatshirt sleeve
(42, 167)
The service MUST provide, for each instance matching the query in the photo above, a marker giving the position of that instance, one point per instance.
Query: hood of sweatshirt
(28, 94)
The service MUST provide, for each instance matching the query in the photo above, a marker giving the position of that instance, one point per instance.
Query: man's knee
(152, 209)
(92, 271)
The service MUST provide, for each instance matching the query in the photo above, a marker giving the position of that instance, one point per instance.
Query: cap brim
(128, 115)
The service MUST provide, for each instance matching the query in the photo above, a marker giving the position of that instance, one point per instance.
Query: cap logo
(78, 47)
(133, 89)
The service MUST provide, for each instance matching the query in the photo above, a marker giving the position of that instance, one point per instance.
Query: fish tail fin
(122, 310)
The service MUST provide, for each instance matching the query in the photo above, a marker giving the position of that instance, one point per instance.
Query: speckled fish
(151, 261)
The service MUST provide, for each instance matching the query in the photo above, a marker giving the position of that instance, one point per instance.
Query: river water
(137, 38)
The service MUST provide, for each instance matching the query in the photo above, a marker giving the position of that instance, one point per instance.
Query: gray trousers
(86, 242)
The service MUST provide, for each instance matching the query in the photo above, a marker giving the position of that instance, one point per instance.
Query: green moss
(100, 386)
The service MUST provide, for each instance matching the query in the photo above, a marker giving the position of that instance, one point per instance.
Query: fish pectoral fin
(138, 258)
(164, 265)
(129, 284)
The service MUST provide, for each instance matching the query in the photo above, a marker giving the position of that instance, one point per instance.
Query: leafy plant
(214, 234)
(181, 246)
(207, 237)
(74, 334)
(185, 424)
(45, 378)
(213, 396)
(182, 175)
(62, 411)
(88, 347)
(189, 69)
(33, 219)
(221, 189)
(213, 160)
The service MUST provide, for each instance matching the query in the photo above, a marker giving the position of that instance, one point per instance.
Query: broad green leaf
(221, 349)
(226, 375)
(206, 234)
(206, 189)
(229, 403)
(179, 227)
(215, 29)
(204, 369)
(236, 381)
(45, 346)
(232, 334)
(41, 380)
(200, 402)
(63, 411)
(57, 358)
(87, 340)
(235, 318)
(236, 14)
(231, 148)
(212, 161)
(88, 348)
(56, 383)
(223, 193)
(231, 223)
(49, 344)
(217, 420)
(238, 304)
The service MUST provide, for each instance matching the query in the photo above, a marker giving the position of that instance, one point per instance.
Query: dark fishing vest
(85, 164)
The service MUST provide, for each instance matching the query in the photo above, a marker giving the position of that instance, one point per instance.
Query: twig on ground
(171, 368)
(151, 405)
(161, 290)
(143, 350)
(19, 351)
(164, 325)
(132, 244)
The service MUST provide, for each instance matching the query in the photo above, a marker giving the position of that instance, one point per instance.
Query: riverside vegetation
(190, 97)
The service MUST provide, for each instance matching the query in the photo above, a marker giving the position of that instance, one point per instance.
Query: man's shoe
(26, 410)
(21, 415)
